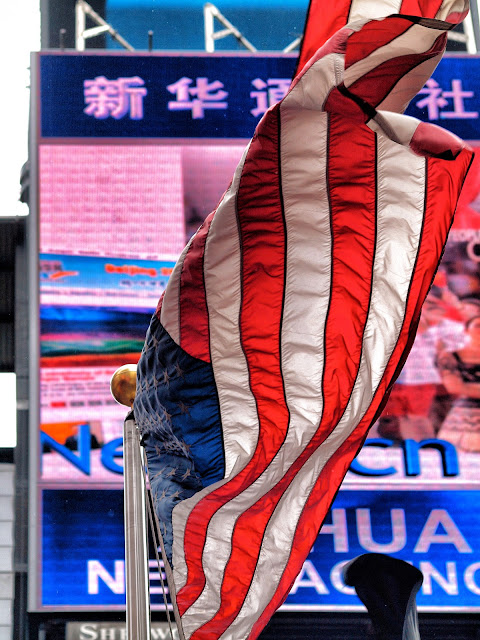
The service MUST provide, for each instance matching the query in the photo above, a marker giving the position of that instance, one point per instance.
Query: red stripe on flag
(159, 306)
(375, 85)
(194, 332)
(352, 152)
(437, 220)
(423, 8)
(323, 20)
(315, 510)
(372, 36)
(263, 247)
(338, 102)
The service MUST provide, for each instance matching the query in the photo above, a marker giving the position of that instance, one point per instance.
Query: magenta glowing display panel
(128, 158)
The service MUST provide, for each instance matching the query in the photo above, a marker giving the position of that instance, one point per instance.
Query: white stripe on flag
(170, 311)
(315, 85)
(408, 86)
(373, 9)
(223, 265)
(398, 127)
(401, 177)
(307, 294)
(451, 6)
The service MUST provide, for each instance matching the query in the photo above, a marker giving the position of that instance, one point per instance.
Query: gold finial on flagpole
(124, 383)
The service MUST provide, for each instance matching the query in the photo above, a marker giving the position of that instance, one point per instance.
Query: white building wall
(7, 493)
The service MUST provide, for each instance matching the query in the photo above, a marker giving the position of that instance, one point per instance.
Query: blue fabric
(177, 412)
(172, 479)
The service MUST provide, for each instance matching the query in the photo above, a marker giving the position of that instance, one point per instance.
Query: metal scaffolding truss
(84, 10)
(470, 35)
(471, 31)
(211, 12)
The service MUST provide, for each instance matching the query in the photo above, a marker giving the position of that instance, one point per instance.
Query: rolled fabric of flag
(288, 317)
(324, 19)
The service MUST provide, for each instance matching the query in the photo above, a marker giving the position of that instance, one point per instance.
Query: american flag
(292, 310)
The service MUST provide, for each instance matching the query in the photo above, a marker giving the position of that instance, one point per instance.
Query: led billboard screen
(131, 154)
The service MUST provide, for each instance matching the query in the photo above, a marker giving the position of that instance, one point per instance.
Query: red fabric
(375, 34)
(337, 102)
(352, 153)
(424, 8)
(425, 144)
(324, 19)
(467, 217)
(374, 86)
(194, 335)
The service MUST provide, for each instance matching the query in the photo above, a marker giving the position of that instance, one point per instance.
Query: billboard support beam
(210, 12)
(470, 40)
(293, 45)
(82, 10)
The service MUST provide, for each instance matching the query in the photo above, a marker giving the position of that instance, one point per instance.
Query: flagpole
(137, 597)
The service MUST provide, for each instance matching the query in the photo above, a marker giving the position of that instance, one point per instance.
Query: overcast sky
(19, 35)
